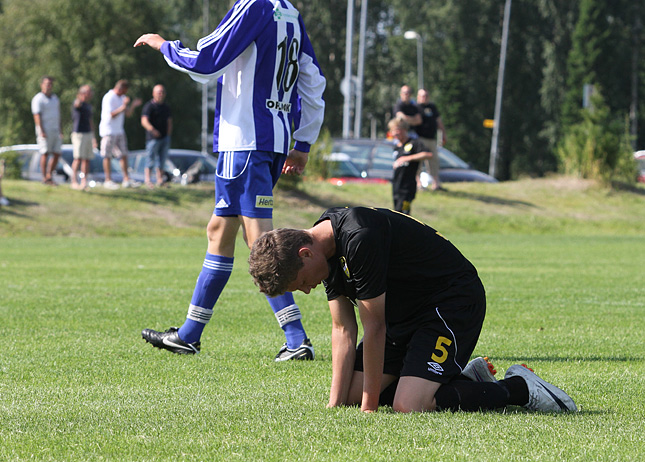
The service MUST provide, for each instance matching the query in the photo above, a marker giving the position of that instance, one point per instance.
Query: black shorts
(436, 346)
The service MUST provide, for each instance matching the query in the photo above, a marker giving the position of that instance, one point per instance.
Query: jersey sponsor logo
(264, 202)
(435, 368)
(280, 14)
(278, 105)
(221, 204)
(343, 265)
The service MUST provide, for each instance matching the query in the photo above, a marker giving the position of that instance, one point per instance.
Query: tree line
(556, 49)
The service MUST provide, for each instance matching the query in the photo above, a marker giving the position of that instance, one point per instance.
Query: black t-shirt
(404, 181)
(82, 118)
(158, 115)
(429, 115)
(407, 108)
(379, 250)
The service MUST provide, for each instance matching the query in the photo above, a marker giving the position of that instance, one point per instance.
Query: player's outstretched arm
(152, 40)
(295, 163)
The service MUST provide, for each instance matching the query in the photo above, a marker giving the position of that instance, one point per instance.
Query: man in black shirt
(156, 119)
(83, 140)
(427, 131)
(406, 109)
(421, 304)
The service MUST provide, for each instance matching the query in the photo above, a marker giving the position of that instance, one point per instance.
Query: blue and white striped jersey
(268, 79)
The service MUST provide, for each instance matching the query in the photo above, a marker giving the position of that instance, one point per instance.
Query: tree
(85, 41)
(598, 146)
(600, 55)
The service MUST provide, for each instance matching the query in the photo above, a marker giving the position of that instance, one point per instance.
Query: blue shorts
(244, 183)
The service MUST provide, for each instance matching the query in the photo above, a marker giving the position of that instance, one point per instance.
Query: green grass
(82, 274)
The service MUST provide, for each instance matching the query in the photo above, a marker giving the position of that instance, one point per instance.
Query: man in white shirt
(114, 143)
(45, 107)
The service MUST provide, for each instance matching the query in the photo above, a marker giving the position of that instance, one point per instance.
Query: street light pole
(348, 68)
(412, 35)
(494, 149)
(358, 113)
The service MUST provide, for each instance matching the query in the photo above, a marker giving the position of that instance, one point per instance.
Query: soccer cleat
(480, 370)
(305, 352)
(169, 340)
(543, 396)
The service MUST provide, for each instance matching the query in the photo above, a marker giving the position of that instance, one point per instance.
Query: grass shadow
(631, 188)
(488, 199)
(324, 202)
(160, 196)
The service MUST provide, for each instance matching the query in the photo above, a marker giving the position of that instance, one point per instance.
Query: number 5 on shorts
(441, 341)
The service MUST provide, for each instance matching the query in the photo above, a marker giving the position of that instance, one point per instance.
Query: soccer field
(77, 382)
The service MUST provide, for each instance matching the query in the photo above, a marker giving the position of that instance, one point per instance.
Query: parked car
(29, 158)
(183, 166)
(344, 170)
(640, 159)
(366, 160)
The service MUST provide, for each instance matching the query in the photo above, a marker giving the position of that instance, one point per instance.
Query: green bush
(316, 168)
(598, 147)
(12, 165)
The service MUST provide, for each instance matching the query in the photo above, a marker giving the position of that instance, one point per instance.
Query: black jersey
(379, 250)
(404, 181)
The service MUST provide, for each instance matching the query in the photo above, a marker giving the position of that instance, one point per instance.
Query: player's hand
(295, 163)
(152, 40)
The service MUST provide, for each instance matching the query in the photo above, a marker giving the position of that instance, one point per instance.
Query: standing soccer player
(268, 80)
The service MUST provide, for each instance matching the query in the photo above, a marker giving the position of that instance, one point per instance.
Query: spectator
(421, 305)
(45, 107)
(409, 152)
(427, 131)
(268, 82)
(115, 107)
(156, 119)
(83, 140)
(405, 109)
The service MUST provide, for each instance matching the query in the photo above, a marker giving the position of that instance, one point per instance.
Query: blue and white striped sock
(288, 315)
(210, 283)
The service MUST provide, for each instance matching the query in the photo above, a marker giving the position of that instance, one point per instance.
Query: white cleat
(543, 396)
(480, 370)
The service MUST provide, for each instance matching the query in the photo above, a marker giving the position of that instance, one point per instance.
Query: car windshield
(448, 159)
(359, 153)
(343, 168)
(183, 163)
(641, 163)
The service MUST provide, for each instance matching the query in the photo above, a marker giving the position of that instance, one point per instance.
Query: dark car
(370, 160)
(29, 158)
(183, 166)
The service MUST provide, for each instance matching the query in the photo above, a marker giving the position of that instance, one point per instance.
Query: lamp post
(412, 35)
